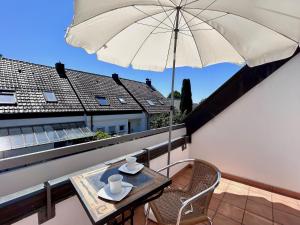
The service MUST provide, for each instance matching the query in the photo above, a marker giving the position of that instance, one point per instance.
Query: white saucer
(106, 194)
(125, 169)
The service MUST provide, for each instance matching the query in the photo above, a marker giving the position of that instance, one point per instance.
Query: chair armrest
(197, 196)
(175, 163)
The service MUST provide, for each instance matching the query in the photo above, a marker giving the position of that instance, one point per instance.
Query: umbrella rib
(147, 39)
(114, 10)
(163, 28)
(165, 12)
(125, 29)
(194, 42)
(223, 37)
(205, 21)
(237, 15)
(189, 3)
(161, 22)
(202, 10)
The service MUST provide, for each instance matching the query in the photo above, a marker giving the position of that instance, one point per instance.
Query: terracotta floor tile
(225, 180)
(240, 185)
(237, 190)
(285, 218)
(231, 212)
(260, 198)
(236, 200)
(220, 190)
(253, 219)
(214, 203)
(282, 198)
(223, 220)
(259, 209)
(288, 207)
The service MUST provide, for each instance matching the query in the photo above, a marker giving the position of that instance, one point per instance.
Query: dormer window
(150, 102)
(49, 96)
(102, 101)
(122, 100)
(8, 98)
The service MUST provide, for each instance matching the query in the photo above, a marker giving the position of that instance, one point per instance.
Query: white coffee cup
(131, 162)
(115, 183)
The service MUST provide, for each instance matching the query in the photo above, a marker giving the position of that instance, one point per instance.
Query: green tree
(186, 102)
(177, 95)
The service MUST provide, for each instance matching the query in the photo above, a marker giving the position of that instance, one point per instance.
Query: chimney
(60, 68)
(148, 82)
(115, 77)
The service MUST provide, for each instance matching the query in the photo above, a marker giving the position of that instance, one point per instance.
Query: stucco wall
(257, 137)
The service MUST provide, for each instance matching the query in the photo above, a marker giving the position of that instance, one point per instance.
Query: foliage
(177, 95)
(101, 135)
(186, 102)
(163, 119)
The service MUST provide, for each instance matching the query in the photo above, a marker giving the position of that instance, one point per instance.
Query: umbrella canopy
(141, 33)
(158, 34)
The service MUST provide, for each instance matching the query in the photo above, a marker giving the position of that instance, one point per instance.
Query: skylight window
(50, 96)
(7, 98)
(122, 100)
(161, 102)
(150, 102)
(102, 101)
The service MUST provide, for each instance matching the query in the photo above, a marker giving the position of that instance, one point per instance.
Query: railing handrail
(18, 161)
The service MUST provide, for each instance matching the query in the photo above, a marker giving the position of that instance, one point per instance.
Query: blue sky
(33, 30)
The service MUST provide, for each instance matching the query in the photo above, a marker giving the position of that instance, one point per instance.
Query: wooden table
(149, 185)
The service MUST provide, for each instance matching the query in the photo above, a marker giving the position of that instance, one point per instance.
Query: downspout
(60, 68)
(118, 81)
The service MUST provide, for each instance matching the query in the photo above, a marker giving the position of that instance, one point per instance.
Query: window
(40, 135)
(102, 101)
(4, 140)
(122, 127)
(16, 138)
(28, 136)
(161, 102)
(7, 98)
(150, 102)
(112, 130)
(50, 96)
(122, 100)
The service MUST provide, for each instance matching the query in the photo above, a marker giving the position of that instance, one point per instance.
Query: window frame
(47, 99)
(101, 97)
(122, 100)
(8, 93)
(150, 102)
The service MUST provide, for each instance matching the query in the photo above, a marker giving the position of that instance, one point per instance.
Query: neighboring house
(150, 100)
(38, 109)
(44, 107)
(109, 107)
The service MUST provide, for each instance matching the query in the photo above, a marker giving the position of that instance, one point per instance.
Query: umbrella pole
(176, 31)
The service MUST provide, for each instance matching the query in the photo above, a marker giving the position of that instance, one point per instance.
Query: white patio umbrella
(159, 34)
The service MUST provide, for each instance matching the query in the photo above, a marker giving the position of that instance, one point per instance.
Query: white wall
(105, 121)
(258, 137)
(20, 179)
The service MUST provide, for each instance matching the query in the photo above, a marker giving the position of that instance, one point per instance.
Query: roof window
(161, 102)
(8, 98)
(49, 96)
(102, 101)
(150, 102)
(122, 100)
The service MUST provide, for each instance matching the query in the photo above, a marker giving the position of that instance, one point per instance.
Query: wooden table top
(100, 211)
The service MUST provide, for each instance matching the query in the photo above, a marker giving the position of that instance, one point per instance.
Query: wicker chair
(190, 206)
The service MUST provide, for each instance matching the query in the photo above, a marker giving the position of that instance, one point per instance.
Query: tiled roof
(143, 92)
(29, 81)
(88, 86)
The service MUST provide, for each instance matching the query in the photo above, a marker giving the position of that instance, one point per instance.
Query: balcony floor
(239, 204)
